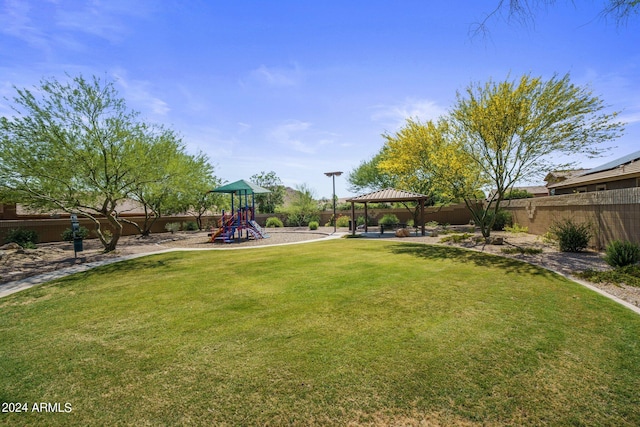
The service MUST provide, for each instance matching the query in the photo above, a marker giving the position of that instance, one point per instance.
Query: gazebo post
(353, 218)
(422, 214)
(366, 218)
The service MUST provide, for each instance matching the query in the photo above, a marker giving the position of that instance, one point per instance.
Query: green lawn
(336, 332)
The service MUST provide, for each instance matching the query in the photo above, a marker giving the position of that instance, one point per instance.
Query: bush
(190, 226)
(389, 219)
(503, 219)
(370, 220)
(25, 238)
(523, 251)
(456, 238)
(343, 221)
(516, 229)
(67, 235)
(313, 225)
(273, 222)
(628, 275)
(622, 253)
(172, 226)
(571, 237)
(517, 194)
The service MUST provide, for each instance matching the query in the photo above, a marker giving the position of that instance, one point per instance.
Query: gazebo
(387, 195)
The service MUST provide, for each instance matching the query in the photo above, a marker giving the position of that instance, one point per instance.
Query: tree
(369, 177)
(498, 134)
(197, 194)
(524, 11)
(303, 206)
(516, 129)
(74, 147)
(267, 203)
(426, 158)
(170, 181)
(162, 162)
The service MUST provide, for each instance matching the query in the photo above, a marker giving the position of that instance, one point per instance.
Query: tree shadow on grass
(153, 264)
(432, 252)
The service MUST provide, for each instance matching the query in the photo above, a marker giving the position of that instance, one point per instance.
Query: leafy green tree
(269, 202)
(369, 177)
(513, 130)
(197, 195)
(161, 165)
(426, 158)
(496, 135)
(76, 147)
(303, 207)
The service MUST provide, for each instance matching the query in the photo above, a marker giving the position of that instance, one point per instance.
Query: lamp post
(333, 177)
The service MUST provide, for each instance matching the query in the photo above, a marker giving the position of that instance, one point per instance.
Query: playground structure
(239, 223)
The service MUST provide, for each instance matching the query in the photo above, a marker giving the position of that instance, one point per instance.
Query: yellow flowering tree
(427, 157)
(496, 135)
(515, 130)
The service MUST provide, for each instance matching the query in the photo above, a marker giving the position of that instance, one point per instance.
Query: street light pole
(333, 177)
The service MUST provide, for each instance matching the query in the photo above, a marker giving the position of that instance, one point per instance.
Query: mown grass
(332, 333)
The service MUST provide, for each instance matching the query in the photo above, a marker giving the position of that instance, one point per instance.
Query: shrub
(67, 235)
(503, 219)
(389, 219)
(432, 224)
(456, 238)
(343, 221)
(515, 228)
(313, 225)
(172, 226)
(25, 238)
(629, 275)
(622, 253)
(190, 226)
(273, 222)
(519, 250)
(517, 194)
(370, 221)
(571, 237)
(548, 238)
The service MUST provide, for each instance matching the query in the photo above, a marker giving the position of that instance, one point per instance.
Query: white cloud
(289, 135)
(277, 76)
(629, 117)
(140, 93)
(396, 115)
(16, 21)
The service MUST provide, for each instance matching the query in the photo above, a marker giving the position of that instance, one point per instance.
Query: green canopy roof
(241, 187)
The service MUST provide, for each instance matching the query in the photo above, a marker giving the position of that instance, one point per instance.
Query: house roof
(388, 195)
(241, 186)
(615, 163)
(557, 176)
(624, 167)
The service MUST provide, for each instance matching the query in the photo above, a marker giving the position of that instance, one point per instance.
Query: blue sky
(306, 87)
